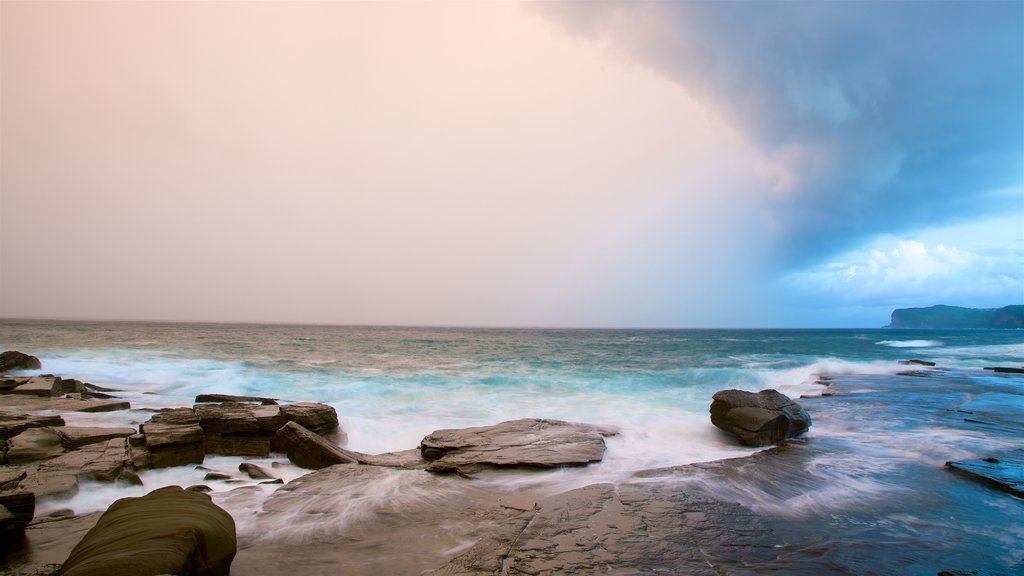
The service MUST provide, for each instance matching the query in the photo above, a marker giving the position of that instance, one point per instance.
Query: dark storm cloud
(880, 117)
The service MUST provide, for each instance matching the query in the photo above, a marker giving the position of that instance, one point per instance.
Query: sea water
(392, 386)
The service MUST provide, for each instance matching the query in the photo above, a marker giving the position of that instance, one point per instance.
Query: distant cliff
(956, 317)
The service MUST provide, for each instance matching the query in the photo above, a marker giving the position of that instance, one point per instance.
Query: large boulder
(308, 449)
(760, 419)
(168, 531)
(529, 442)
(14, 360)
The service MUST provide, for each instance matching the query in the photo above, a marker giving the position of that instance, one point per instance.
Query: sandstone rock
(10, 383)
(10, 477)
(14, 360)
(216, 476)
(528, 442)
(760, 419)
(71, 386)
(13, 424)
(168, 531)
(232, 398)
(102, 406)
(246, 429)
(319, 418)
(310, 450)
(33, 445)
(254, 471)
(45, 386)
(59, 477)
(21, 506)
(173, 438)
(1005, 471)
(227, 418)
(74, 437)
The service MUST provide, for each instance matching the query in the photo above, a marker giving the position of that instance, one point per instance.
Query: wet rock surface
(1004, 471)
(767, 417)
(168, 531)
(530, 443)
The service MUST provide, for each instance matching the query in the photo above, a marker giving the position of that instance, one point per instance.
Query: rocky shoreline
(443, 507)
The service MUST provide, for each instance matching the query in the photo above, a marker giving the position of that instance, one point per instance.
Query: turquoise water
(867, 492)
(392, 386)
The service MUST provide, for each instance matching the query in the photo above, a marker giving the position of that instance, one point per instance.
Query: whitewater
(392, 386)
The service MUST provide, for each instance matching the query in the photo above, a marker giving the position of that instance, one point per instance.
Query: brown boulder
(168, 531)
(767, 417)
(14, 360)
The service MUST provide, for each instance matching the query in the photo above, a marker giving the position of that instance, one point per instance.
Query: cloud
(872, 117)
(908, 273)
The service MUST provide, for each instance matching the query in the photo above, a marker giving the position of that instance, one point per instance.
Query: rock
(767, 417)
(14, 360)
(13, 424)
(168, 531)
(232, 398)
(10, 477)
(33, 445)
(916, 362)
(173, 438)
(1005, 472)
(100, 462)
(45, 386)
(410, 459)
(199, 488)
(216, 476)
(309, 450)
(246, 429)
(9, 383)
(528, 442)
(313, 416)
(21, 507)
(238, 444)
(46, 542)
(71, 386)
(74, 437)
(1005, 369)
(254, 471)
(102, 406)
(227, 418)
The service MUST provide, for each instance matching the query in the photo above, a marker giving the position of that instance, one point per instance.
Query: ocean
(392, 386)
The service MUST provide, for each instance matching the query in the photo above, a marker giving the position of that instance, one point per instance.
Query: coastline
(770, 512)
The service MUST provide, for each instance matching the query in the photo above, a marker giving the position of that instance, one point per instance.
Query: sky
(571, 164)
